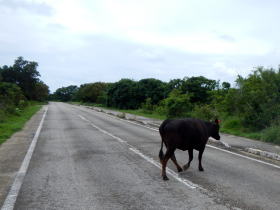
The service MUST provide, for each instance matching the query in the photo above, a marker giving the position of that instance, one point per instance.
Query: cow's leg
(173, 158)
(190, 159)
(199, 158)
(167, 155)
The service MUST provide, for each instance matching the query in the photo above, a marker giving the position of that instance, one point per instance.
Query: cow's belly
(196, 146)
(183, 147)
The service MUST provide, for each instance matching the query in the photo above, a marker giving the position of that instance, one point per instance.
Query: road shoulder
(12, 153)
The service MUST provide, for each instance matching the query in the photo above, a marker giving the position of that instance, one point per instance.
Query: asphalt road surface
(89, 160)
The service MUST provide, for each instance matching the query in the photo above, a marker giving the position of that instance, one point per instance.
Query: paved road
(88, 160)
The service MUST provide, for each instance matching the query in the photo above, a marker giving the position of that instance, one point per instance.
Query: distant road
(89, 160)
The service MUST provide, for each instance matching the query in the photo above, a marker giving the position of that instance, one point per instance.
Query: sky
(83, 41)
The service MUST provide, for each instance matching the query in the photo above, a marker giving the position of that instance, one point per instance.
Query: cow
(185, 134)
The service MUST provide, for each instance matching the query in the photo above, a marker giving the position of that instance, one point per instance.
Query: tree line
(176, 98)
(19, 84)
(251, 105)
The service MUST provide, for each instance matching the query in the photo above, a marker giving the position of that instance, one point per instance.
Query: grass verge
(14, 123)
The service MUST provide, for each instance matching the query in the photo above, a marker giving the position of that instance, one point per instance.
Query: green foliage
(198, 88)
(25, 75)
(258, 98)
(151, 88)
(65, 93)
(232, 123)
(13, 123)
(271, 134)
(92, 92)
(148, 107)
(102, 97)
(227, 101)
(11, 97)
(174, 84)
(129, 94)
(226, 86)
(205, 112)
(124, 95)
(41, 92)
(177, 105)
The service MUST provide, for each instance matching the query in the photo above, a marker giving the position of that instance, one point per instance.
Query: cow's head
(215, 130)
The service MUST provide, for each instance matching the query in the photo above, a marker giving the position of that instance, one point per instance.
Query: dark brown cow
(185, 134)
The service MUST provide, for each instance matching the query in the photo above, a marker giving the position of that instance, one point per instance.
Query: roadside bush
(205, 112)
(10, 97)
(2, 116)
(123, 95)
(147, 107)
(161, 108)
(232, 123)
(22, 104)
(102, 98)
(177, 105)
(271, 134)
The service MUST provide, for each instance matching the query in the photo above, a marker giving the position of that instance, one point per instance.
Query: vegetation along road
(89, 160)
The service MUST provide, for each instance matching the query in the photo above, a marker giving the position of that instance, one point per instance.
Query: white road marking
(217, 148)
(249, 158)
(11, 198)
(149, 159)
(168, 170)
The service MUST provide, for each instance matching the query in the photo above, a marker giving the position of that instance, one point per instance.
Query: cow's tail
(160, 151)
(161, 131)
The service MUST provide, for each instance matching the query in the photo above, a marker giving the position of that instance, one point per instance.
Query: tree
(124, 94)
(151, 88)
(177, 104)
(24, 74)
(65, 93)
(226, 85)
(174, 84)
(92, 92)
(259, 98)
(41, 91)
(198, 88)
(10, 97)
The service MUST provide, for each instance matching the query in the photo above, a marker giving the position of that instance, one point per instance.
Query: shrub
(205, 112)
(2, 116)
(232, 123)
(161, 108)
(147, 107)
(177, 104)
(271, 134)
(22, 104)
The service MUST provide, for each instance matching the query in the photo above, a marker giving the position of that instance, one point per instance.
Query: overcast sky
(82, 41)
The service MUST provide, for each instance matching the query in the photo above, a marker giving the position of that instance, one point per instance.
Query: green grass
(232, 125)
(271, 134)
(14, 123)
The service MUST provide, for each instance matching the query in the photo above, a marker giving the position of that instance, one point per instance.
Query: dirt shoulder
(12, 153)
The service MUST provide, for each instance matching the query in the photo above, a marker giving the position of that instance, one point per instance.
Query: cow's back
(184, 133)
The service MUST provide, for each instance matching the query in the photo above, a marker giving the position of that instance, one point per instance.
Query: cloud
(105, 40)
(36, 7)
(227, 38)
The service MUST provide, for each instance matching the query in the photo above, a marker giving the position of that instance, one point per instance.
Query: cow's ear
(217, 121)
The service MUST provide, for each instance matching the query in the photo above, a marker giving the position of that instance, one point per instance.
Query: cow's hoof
(180, 169)
(165, 178)
(200, 169)
(185, 167)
